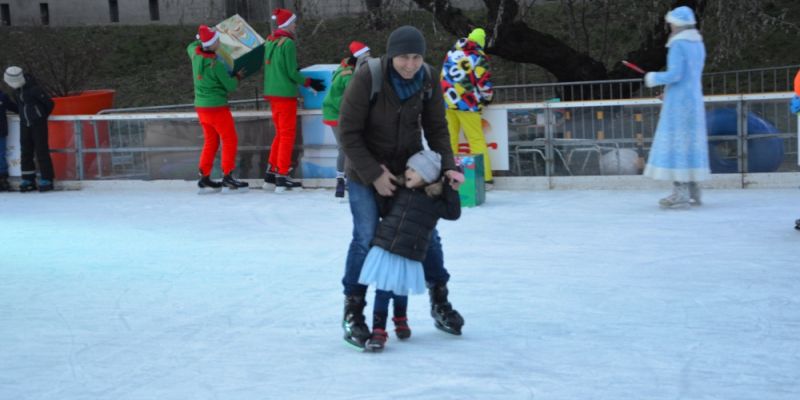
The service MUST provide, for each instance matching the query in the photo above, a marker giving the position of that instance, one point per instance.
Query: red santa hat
(207, 36)
(357, 48)
(283, 17)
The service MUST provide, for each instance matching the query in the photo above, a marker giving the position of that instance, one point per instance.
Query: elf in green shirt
(212, 84)
(281, 78)
(330, 105)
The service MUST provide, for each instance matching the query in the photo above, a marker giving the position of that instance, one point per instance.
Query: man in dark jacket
(33, 106)
(4, 102)
(378, 135)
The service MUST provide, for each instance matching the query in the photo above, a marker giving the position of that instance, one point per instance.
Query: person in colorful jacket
(467, 88)
(34, 106)
(330, 105)
(212, 84)
(680, 145)
(281, 78)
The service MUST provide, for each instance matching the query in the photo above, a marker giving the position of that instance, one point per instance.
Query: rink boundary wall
(782, 180)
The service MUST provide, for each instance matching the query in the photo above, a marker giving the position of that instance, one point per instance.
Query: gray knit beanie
(405, 40)
(14, 78)
(427, 163)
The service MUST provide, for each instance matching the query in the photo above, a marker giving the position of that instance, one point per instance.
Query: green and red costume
(281, 78)
(333, 100)
(212, 84)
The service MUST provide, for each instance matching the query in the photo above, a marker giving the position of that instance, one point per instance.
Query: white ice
(150, 291)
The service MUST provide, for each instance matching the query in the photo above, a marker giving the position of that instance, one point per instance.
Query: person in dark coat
(34, 106)
(378, 135)
(394, 263)
(4, 103)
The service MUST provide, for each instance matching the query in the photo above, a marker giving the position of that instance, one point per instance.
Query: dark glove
(317, 84)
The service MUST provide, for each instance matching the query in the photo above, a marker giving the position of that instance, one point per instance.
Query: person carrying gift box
(212, 84)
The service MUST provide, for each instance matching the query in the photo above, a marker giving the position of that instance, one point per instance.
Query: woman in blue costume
(680, 146)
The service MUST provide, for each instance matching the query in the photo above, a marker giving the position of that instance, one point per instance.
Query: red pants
(284, 116)
(217, 123)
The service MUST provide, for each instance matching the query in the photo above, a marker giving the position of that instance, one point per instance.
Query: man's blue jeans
(365, 220)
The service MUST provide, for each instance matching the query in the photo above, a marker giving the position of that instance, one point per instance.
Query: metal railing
(544, 139)
(763, 80)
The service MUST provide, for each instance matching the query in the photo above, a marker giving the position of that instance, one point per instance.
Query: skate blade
(447, 329)
(675, 206)
(268, 187)
(373, 349)
(208, 190)
(355, 344)
(235, 191)
(282, 189)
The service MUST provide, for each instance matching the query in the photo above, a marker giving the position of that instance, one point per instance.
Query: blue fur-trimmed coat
(680, 146)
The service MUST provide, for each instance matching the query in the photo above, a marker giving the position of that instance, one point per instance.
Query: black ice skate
(269, 180)
(27, 185)
(46, 185)
(232, 185)
(797, 224)
(339, 187)
(356, 331)
(284, 183)
(445, 317)
(206, 185)
(401, 328)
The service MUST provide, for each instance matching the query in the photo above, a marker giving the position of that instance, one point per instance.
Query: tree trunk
(515, 41)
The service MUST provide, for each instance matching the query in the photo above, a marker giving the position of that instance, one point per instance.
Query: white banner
(495, 130)
(13, 155)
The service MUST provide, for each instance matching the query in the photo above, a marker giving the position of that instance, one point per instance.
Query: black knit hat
(405, 40)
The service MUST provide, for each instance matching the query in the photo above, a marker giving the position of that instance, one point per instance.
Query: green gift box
(241, 47)
(473, 191)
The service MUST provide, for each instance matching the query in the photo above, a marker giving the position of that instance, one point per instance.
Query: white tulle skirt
(386, 271)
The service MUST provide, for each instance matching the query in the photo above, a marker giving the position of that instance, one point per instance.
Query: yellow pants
(470, 122)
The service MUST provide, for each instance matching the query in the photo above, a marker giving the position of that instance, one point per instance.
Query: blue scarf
(405, 88)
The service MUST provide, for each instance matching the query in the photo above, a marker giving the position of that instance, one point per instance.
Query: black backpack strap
(375, 71)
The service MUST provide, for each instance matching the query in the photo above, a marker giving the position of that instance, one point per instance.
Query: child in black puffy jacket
(394, 263)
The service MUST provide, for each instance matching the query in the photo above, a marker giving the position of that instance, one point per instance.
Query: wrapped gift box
(241, 47)
(473, 191)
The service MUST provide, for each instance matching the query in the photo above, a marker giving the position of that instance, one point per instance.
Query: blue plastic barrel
(763, 155)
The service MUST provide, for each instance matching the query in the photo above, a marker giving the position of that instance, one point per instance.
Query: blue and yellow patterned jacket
(465, 77)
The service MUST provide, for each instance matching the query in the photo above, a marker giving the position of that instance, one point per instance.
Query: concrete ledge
(617, 182)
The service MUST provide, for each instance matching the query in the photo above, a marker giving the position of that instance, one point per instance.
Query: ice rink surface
(153, 292)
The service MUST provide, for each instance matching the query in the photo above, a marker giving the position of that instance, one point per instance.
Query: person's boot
(284, 183)
(797, 224)
(269, 180)
(679, 197)
(401, 328)
(233, 185)
(340, 185)
(27, 184)
(46, 185)
(445, 317)
(695, 194)
(5, 186)
(377, 341)
(206, 185)
(356, 331)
